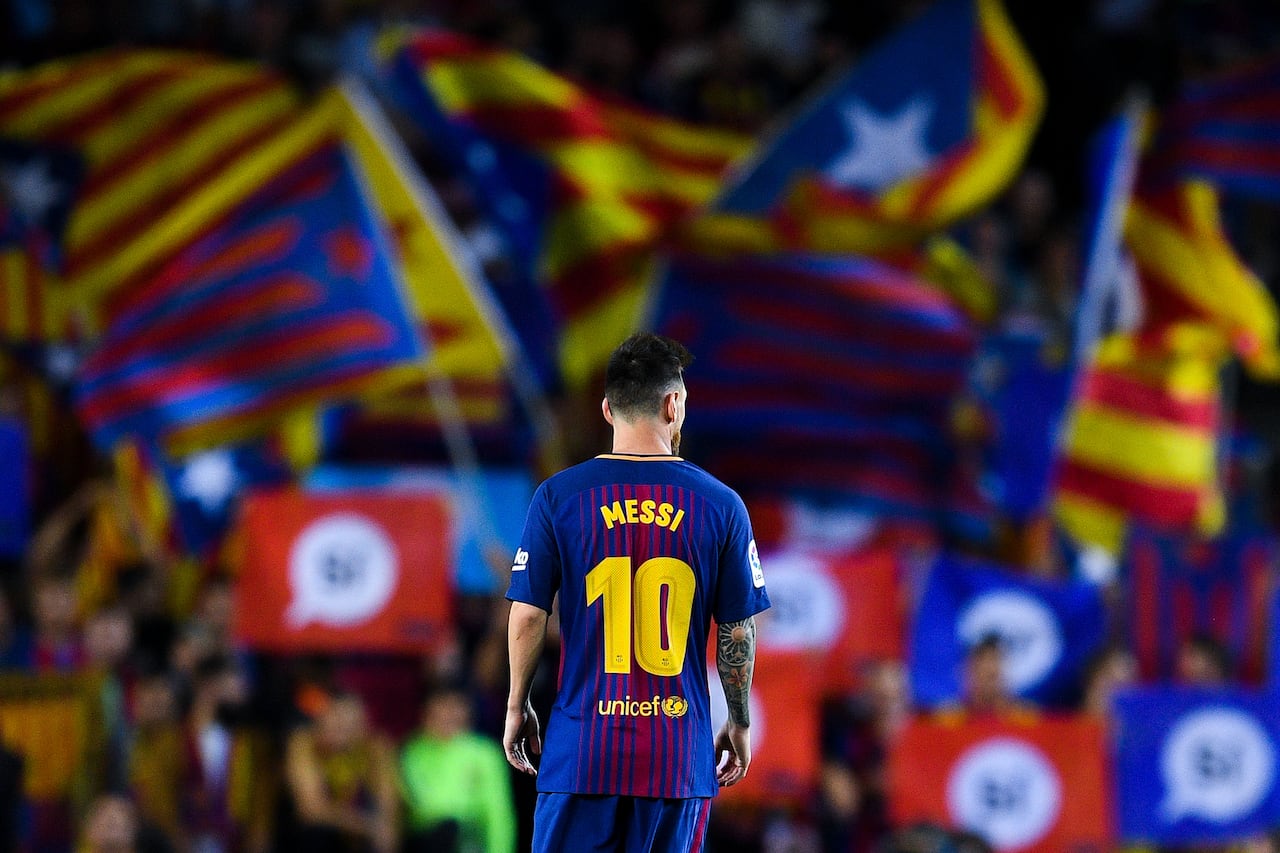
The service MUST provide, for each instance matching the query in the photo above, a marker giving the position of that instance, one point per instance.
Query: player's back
(643, 551)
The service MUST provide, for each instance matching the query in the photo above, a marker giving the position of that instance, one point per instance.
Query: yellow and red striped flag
(1140, 442)
(584, 188)
(1189, 272)
(168, 142)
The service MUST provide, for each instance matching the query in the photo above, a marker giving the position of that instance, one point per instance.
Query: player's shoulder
(710, 485)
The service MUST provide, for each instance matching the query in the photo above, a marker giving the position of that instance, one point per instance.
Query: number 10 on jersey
(634, 612)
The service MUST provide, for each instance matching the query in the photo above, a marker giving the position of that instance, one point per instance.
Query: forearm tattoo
(736, 659)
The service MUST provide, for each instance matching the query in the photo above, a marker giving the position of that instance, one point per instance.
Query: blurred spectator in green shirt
(455, 781)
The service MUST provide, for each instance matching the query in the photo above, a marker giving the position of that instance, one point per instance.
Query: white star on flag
(885, 148)
(209, 478)
(31, 189)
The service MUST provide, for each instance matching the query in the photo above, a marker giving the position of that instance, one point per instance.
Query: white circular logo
(720, 711)
(806, 608)
(1006, 791)
(343, 570)
(1218, 765)
(1028, 633)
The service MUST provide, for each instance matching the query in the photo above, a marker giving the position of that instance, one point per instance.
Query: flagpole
(440, 390)
(1104, 264)
(524, 382)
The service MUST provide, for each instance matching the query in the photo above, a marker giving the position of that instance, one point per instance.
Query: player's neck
(641, 439)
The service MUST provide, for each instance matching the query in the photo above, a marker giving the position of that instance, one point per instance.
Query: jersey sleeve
(740, 588)
(535, 570)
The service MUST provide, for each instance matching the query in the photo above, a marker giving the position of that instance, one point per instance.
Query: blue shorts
(631, 824)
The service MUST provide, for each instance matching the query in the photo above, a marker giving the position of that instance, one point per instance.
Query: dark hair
(989, 642)
(643, 369)
(212, 667)
(1211, 647)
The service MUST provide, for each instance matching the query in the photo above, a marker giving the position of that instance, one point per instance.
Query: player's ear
(671, 407)
(606, 411)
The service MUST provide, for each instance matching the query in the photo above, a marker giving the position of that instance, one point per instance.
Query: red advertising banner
(356, 571)
(1039, 785)
(847, 607)
(784, 728)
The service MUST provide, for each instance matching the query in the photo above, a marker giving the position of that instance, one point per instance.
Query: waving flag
(167, 144)
(1048, 630)
(826, 376)
(1226, 130)
(471, 344)
(904, 144)
(1140, 443)
(37, 189)
(1188, 271)
(1177, 587)
(583, 188)
(292, 302)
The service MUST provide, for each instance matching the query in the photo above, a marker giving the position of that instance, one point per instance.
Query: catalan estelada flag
(1188, 271)
(167, 143)
(1140, 440)
(470, 343)
(582, 188)
(293, 301)
(924, 130)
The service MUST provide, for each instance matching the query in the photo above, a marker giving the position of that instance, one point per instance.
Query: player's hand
(733, 754)
(522, 738)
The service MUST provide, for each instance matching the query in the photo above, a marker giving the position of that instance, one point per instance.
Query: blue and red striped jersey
(643, 551)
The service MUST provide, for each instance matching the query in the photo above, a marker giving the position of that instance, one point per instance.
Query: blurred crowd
(209, 747)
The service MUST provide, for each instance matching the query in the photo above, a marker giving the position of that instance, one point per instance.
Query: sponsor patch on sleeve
(753, 557)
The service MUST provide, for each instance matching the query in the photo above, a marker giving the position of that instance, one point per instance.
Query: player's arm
(526, 634)
(735, 661)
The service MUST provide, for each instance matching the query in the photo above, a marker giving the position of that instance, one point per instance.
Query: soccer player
(643, 549)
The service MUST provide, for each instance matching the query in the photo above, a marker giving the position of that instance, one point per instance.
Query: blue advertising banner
(1196, 766)
(1049, 631)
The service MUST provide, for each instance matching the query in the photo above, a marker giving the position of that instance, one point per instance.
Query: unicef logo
(1028, 633)
(343, 570)
(1006, 791)
(1218, 765)
(675, 706)
(807, 608)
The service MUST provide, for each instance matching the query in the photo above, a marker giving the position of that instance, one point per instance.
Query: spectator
(853, 807)
(108, 636)
(986, 692)
(110, 827)
(113, 826)
(1203, 661)
(1111, 669)
(227, 779)
(156, 754)
(457, 787)
(57, 645)
(342, 783)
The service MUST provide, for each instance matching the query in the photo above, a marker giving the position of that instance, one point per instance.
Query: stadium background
(1014, 536)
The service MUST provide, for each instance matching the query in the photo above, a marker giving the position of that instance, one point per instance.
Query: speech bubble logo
(720, 711)
(1005, 790)
(1028, 632)
(1218, 764)
(343, 570)
(806, 608)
